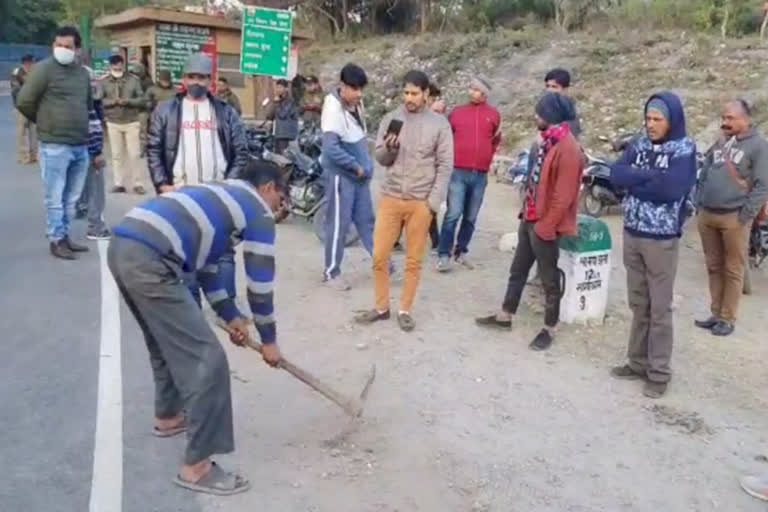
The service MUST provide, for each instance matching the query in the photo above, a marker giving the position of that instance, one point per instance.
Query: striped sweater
(95, 130)
(195, 226)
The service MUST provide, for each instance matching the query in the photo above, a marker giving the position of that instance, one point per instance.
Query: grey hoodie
(721, 190)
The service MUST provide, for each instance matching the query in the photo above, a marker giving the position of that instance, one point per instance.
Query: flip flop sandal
(169, 432)
(217, 482)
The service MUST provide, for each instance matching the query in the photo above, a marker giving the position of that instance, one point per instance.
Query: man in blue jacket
(92, 201)
(349, 169)
(658, 171)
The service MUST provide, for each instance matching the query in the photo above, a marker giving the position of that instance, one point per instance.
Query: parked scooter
(758, 248)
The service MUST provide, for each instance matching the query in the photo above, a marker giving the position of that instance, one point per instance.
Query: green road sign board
(174, 43)
(266, 42)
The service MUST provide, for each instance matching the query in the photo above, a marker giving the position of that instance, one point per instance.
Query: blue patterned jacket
(659, 177)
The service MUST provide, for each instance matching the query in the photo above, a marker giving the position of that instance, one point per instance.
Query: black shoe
(626, 372)
(709, 323)
(371, 316)
(81, 213)
(654, 389)
(405, 320)
(75, 247)
(99, 234)
(542, 341)
(139, 190)
(61, 250)
(492, 321)
(723, 329)
(118, 190)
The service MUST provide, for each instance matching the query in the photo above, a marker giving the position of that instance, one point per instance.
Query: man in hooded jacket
(658, 171)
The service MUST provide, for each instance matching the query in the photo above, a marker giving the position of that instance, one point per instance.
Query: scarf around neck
(549, 138)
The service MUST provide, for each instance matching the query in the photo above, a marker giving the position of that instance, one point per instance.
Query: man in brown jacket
(549, 212)
(415, 146)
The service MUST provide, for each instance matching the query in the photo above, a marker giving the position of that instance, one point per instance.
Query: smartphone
(394, 127)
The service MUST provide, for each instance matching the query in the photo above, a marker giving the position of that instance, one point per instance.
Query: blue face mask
(197, 91)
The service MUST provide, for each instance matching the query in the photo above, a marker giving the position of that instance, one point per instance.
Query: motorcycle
(311, 140)
(304, 177)
(307, 192)
(598, 193)
(758, 248)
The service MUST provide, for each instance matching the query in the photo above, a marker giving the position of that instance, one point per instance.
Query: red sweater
(476, 136)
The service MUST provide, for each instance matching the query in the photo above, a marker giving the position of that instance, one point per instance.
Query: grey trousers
(92, 200)
(651, 268)
(189, 365)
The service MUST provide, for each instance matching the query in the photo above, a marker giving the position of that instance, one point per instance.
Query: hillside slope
(613, 74)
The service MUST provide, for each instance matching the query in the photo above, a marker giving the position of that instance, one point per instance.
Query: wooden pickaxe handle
(351, 406)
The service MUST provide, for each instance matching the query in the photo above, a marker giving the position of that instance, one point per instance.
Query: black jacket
(285, 115)
(163, 139)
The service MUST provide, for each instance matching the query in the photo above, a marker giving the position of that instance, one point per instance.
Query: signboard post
(175, 43)
(266, 42)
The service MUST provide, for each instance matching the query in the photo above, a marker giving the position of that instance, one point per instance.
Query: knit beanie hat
(555, 108)
(659, 106)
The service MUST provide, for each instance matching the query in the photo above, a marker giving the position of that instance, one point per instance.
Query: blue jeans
(64, 169)
(226, 274)
(465, 197)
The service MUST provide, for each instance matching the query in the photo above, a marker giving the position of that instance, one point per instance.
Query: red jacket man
(476, 136)
(549, 212)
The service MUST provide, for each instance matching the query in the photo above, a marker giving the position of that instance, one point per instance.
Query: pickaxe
(352, 406)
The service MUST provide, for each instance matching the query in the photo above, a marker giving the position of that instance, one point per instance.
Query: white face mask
(64, 56)
(117, 74)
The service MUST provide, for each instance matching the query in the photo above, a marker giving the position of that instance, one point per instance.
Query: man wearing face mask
(57, 97)
(195, 138)
(123, 100)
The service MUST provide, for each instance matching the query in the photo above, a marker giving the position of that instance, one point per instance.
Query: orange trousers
(392, 214)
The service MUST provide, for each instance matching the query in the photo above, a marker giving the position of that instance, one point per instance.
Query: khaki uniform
(231, 99)
(312, 106)
(124, 127)
(158, 94)
(26, 132)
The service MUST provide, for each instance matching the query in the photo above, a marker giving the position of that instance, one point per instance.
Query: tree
(29, 21)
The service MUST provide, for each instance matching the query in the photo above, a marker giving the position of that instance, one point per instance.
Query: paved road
(51, 325)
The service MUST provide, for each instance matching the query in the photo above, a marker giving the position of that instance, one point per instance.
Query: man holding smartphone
(415, 146)
(350, 168)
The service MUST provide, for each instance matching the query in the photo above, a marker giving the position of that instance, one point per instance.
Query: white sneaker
(462, 260)
(444, 264)
(338, 284)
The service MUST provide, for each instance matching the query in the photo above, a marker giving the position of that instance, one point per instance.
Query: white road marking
(107, 481)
